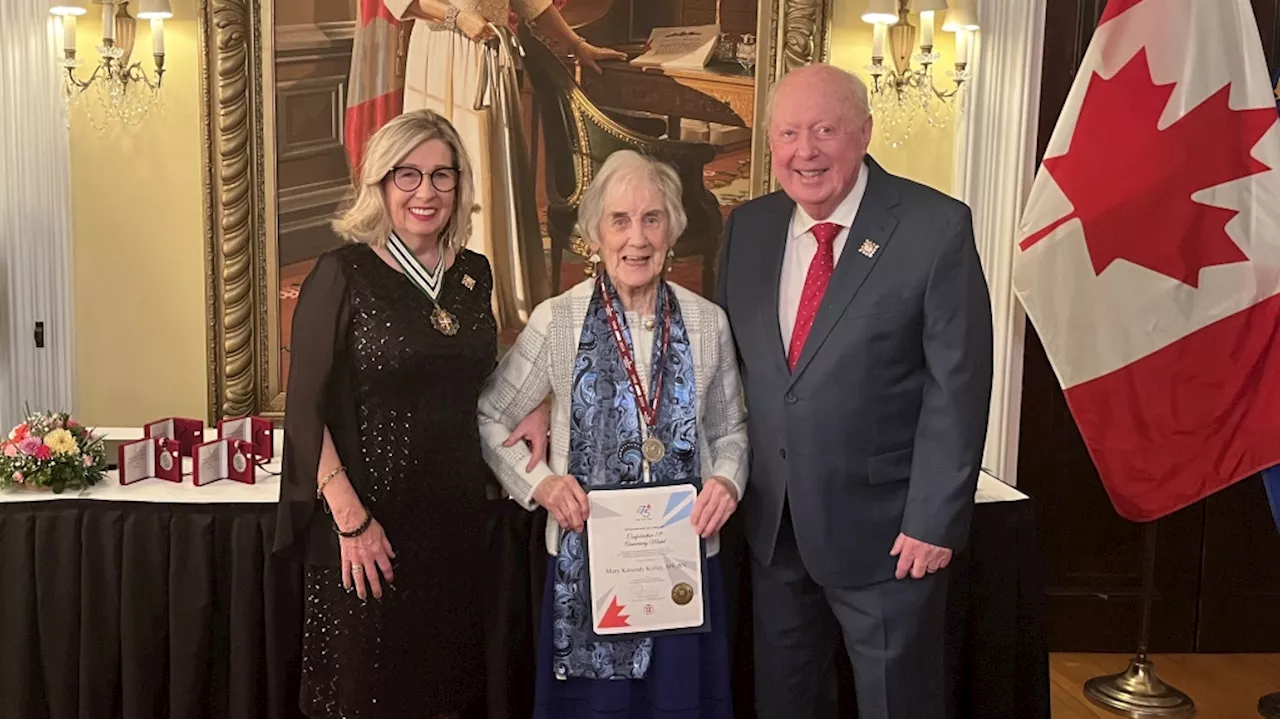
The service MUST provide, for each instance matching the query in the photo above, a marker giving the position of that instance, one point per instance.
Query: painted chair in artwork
(579, 135)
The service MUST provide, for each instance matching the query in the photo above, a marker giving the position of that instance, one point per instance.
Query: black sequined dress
(399, 398)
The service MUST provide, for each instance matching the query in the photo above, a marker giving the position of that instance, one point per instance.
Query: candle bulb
(926, 29)
(157, 36)
(69, 33)
(109, 22)
(877, 40)
(962, 47)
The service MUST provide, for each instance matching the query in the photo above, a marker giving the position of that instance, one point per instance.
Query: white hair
(624, 168)
(842, 83)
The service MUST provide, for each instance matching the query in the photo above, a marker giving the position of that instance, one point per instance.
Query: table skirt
(135, 610)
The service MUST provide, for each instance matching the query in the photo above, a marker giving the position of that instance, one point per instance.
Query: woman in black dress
(384, 486)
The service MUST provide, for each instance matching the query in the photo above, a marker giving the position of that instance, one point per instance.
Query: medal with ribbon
(652, 448)
(427, 281)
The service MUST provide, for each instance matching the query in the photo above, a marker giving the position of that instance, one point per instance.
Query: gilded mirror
(274, 89)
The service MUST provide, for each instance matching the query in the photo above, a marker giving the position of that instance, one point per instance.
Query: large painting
(276, 82)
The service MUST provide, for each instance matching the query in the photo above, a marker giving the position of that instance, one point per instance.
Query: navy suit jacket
(880, 428)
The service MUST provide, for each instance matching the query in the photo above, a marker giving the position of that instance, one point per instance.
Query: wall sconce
(903, 93)
(125, 91)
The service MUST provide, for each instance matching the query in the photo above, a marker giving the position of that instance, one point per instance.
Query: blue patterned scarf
(604, 451)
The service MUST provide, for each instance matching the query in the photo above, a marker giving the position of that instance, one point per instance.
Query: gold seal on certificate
(653, 450)
(644, 561)
(682, 593)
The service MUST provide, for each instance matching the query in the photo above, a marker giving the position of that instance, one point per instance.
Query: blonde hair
(625, 167)
(367, 220)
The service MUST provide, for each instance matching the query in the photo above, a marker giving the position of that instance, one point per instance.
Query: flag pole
(1137, 692)
(1269, 706)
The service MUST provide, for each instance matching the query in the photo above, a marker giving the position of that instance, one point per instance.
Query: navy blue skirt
(688, 675)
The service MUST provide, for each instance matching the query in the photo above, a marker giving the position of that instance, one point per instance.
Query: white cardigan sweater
(541, 364)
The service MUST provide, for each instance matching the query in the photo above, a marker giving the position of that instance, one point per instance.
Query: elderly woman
(684, 393)
(392, 339)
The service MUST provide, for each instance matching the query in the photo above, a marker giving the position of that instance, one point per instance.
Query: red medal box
(254, 430)
(224, 459)
(153, 457)
(188, 432)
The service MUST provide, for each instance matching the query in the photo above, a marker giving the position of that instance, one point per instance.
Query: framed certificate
(645, 563)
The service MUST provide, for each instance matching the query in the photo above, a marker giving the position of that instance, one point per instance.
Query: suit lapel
(874, 222)
(779, 221)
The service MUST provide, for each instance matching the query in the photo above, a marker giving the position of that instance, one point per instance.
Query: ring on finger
(356, 569)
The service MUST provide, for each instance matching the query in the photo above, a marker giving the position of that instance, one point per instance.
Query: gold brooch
(469, 282)
(868, 248)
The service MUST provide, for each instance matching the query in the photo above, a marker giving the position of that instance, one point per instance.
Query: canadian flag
(1149, 257)
(375, 86)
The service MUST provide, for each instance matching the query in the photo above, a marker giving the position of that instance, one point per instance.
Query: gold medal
(239, 462)
(653, 450)
(446, 323)
(682, 593)
(166, 460)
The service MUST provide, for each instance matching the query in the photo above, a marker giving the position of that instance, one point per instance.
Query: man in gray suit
(863, 327)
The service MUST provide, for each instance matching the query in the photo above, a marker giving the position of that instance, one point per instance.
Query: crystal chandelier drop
(905, 96)
(117, 92)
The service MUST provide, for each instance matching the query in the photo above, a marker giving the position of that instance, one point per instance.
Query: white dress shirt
(801, 248)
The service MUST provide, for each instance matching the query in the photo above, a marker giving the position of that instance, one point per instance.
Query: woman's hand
(714, 505)
(590, 55)
(474, 25)
(363, 557)
(563, 497)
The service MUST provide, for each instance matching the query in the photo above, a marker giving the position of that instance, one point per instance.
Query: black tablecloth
(120, 610)
(135, 610)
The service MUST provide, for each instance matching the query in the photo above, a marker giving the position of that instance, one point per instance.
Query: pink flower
(71, 424)
(10, 449)
(17, 477)
(43, 452)
(30, 445)
(88, 461)
(57, 423)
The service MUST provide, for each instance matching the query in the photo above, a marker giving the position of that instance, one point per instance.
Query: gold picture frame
(237, 111)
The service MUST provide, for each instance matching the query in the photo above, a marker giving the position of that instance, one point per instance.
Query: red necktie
(815, 286)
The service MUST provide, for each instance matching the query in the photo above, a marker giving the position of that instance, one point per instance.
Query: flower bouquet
(51, 451)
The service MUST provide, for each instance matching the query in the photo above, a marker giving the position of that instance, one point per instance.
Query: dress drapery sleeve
(726, 417)
(318, 335)
(519, 384)
(529, 9)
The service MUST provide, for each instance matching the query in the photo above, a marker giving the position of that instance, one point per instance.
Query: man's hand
(714, 505)
(563, 497)
(533, 430)
(918, 558)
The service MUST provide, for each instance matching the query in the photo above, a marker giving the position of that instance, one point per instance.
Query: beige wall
(927, 156)
(138, 244)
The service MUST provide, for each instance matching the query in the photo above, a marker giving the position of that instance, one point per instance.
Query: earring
(593, 264)
(671, 260)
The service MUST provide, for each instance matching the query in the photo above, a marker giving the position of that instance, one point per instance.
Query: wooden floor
(1224, 686)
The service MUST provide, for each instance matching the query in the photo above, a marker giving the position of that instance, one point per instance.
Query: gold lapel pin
(469, 282)
(868, 248)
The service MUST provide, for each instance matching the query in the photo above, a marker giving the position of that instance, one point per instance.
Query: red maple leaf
(613, 616)
(1130, 182)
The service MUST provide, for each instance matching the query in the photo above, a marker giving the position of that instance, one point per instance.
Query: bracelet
(451, 17)
(325, 480)
(368, 518)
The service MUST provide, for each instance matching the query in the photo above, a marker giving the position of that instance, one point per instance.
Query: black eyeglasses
(408, 179)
